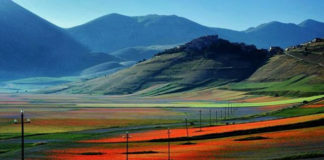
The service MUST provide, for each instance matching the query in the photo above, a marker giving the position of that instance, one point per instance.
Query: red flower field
(159, 134)
(271, 144)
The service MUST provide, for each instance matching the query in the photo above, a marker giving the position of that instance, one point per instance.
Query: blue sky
(232, 14)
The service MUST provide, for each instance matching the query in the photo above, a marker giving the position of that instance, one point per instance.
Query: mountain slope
(297, 72)
(112, 32)
(31, 46)
(202, 61)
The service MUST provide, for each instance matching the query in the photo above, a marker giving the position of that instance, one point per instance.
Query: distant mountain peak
(264, 25)
(113, 15)
(272, 26)
(152, 18)
(157, 15)
(315, 26)
(107, 19)
(310, 22)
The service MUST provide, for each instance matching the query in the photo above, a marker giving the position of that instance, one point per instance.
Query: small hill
(297, 72)
(203, 61)
(31, 46)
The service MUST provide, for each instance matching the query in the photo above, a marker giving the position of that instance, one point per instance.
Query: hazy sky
(232, 14)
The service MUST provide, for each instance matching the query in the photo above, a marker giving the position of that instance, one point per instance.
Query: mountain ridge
(121, 31)
(114, 31)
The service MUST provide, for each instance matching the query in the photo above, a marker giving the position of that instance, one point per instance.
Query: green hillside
(211, 62)
(297, 72)
(204, 61)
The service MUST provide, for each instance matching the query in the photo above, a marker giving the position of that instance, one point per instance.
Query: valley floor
(92, 127)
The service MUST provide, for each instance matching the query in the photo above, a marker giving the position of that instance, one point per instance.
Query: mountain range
(114, 31)
(32, 47)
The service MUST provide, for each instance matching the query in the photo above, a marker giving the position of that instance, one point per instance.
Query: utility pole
(200, 120)
(216, 116)
(169, 154)
(187, 132)
(228, 113)
(232, 110)
(22, 136)
(228, 109)
(210, 117)
(221, 114)
(225, 109)
(127, 139)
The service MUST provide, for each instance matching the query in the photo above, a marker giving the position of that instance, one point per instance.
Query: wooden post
(187, 128)
(199, 120)
(127, 139)
(187, 131)
(22, 136)
(169, 154)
